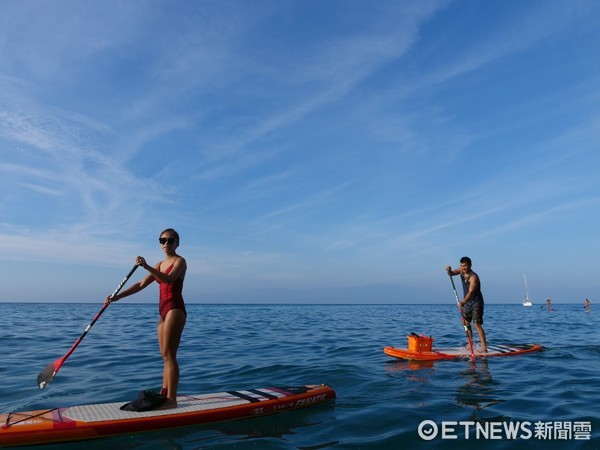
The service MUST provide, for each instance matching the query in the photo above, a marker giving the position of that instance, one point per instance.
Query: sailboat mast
(526, 289)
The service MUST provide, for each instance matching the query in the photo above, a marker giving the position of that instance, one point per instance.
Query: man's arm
(452, 272)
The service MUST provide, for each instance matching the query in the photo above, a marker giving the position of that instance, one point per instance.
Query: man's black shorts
(473, 312)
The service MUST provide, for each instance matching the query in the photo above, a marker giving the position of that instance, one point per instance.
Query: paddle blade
(48, 373)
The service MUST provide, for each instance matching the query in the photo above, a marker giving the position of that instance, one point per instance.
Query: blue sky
(324, 151)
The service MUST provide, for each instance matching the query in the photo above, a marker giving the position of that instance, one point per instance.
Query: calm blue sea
(381, 401)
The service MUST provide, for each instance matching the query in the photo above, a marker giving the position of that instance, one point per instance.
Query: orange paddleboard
(102, 420)
(461, 352)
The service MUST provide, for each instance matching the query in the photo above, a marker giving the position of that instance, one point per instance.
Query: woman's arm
(178, 271)
(133, 289)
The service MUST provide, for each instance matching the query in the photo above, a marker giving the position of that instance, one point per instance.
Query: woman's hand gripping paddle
(464, 322)
(51, 369)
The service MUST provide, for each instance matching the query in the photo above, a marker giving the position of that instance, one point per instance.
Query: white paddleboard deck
(185, 404)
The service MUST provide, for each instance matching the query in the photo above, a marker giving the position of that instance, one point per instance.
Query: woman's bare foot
(169, 404)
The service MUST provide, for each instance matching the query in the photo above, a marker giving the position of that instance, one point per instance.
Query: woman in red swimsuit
(170, 274)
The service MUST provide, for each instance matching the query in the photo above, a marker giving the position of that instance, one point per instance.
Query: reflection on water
(478, 390)
(408, 364)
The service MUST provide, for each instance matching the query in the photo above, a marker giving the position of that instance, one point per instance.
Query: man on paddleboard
(471, 305)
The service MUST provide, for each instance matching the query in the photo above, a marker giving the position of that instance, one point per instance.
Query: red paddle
(51, 369)
(464, 322)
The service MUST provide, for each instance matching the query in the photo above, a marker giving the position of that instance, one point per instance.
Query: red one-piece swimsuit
(170, 296)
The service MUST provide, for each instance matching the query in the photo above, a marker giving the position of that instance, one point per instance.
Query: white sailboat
(527, 301)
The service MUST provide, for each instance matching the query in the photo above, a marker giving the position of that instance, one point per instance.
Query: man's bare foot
(480, 350)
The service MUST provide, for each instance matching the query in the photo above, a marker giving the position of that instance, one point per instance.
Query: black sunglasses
(169, 241)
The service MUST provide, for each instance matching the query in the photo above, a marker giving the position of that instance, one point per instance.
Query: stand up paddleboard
(78, 423)
(420, 348)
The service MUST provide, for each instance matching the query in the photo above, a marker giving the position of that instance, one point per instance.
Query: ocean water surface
(381, 402)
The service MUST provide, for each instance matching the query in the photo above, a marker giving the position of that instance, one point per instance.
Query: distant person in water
(587, 305)
(549, 304)
(169, 274)
(472, 304)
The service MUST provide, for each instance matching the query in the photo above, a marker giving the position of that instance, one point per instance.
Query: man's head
(465, 264)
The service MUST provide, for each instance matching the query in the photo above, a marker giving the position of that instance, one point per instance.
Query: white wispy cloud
(353, 135)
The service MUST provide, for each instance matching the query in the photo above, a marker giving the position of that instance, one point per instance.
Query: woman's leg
(169, 337)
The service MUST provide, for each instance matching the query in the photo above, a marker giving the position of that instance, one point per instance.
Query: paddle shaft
(48, 373)
(97, 316)
(464, 322)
